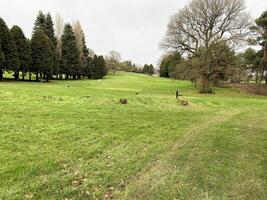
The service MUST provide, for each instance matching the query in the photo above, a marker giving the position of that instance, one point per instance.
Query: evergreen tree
(8, 49)
(145, 69)
(49, 29)
(102, 66)
(148, 69)
(50, 32)
(11, 58)
(151, 70)
(168, 64)
(40, 22)
(23, 49)
(88, 71)
(42, 54)
(98, 67)
(85, 52)
(70, 53)
(94, 67)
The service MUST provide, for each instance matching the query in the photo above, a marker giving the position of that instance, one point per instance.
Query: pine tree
(97, 67)
(23, 49)
(50, 32)
(11, 57)
(88, 71)
(85, 54)
(102, 66)
(94, 67)
(40, 22)
(9, 49)
(70, 53)
(49, 29)
(42, 54)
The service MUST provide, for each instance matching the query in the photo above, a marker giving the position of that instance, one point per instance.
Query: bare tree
(260, 30)
(113, 61)
(77, 28)
(91, 53)
(59, 31)
(206, 23)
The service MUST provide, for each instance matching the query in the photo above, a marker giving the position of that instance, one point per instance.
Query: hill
(73, 140)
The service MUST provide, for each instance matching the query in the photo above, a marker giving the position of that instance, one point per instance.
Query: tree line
(202, 39)
(114, 63)
(49, 54)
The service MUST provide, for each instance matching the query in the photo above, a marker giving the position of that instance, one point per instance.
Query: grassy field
(73, 140)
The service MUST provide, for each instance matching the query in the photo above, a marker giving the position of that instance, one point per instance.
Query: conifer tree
(23, 49)
(42, 55)
(102, 66)
(50, 31)
(70, 53)
(88, 72)
(11, 57)
(8, 48)
(40, 22)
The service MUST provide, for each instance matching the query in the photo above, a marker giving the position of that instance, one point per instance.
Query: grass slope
(72, 140)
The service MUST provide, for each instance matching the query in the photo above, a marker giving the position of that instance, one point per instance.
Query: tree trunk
(205, 85)
(23, 76)
(30, 76)
(16, 76)
(37, 77)
(1, 74)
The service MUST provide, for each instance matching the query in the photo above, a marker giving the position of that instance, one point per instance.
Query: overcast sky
(132, 27)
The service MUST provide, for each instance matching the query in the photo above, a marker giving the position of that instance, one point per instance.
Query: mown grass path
(73, 140)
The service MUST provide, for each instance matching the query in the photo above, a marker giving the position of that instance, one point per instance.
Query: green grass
(72, 140)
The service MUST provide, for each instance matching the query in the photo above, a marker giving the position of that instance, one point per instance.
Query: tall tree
(261, 29)
(49, 28)
(70, 53)
(102, 66)
(204, 24)
(40, 22)
(59, 32)
(3, 38)
(81, 44)
(23, 49)
(88, 71)
(9, 49)
(50, 32)
(42, 55)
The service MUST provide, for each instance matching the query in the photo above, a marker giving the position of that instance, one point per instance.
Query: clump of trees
(206, 33)
(51, 53)
(168, 64)
(114, 63)
(149, 69)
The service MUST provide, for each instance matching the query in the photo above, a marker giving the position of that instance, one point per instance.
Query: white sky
(132, 27)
